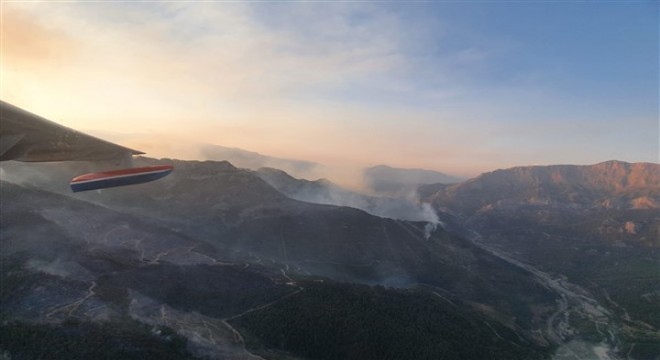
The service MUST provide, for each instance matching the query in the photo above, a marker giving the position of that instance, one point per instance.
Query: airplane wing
(28, 137)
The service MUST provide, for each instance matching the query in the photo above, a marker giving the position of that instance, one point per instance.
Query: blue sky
(460, 87)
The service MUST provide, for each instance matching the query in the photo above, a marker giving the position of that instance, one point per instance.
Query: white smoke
(60, 268)
(587, 351)
(429, 214)
(55, 268)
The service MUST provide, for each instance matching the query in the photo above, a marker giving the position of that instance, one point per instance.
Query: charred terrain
(226, 263)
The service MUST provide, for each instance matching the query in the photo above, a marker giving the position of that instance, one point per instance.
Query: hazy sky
(451, 86)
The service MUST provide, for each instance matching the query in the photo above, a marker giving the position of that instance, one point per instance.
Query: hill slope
(171, 246)
(597, 226)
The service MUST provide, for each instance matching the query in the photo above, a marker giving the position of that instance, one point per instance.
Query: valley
(232, 267)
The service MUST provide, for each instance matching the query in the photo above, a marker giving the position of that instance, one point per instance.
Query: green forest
(328, 320)
(74, 339)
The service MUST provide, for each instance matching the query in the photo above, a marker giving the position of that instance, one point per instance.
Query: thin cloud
(357, 82)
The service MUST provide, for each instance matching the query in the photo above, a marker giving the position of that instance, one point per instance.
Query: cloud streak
(360, 82)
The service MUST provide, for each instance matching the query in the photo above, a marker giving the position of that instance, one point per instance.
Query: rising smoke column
(432, 218)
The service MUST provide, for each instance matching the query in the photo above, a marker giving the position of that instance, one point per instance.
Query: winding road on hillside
(573, 299)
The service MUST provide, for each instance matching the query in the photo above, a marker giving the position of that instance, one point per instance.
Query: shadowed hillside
(211, 241)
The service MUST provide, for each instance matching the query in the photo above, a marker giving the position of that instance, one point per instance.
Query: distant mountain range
(612, 184)
(380, 179)
(253, 160)
(386, 180)
(221, 262)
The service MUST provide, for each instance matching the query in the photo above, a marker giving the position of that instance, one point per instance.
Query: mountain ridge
(596, 225)
(391, 181)
(608, 184)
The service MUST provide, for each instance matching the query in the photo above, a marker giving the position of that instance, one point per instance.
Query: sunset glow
(456, 87)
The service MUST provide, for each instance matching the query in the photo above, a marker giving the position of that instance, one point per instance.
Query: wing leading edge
(27, 137)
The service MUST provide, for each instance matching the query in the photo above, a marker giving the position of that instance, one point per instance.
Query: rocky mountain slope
(596, 226)
(608, 185)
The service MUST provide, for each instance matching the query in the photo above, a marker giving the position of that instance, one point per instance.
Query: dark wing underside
(28, 137)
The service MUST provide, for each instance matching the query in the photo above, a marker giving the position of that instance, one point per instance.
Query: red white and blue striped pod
(106, 179)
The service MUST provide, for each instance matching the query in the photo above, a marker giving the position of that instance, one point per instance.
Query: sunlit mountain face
(595, 228)
(218, 262)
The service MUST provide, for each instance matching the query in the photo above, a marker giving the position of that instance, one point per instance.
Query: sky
(458, 87)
